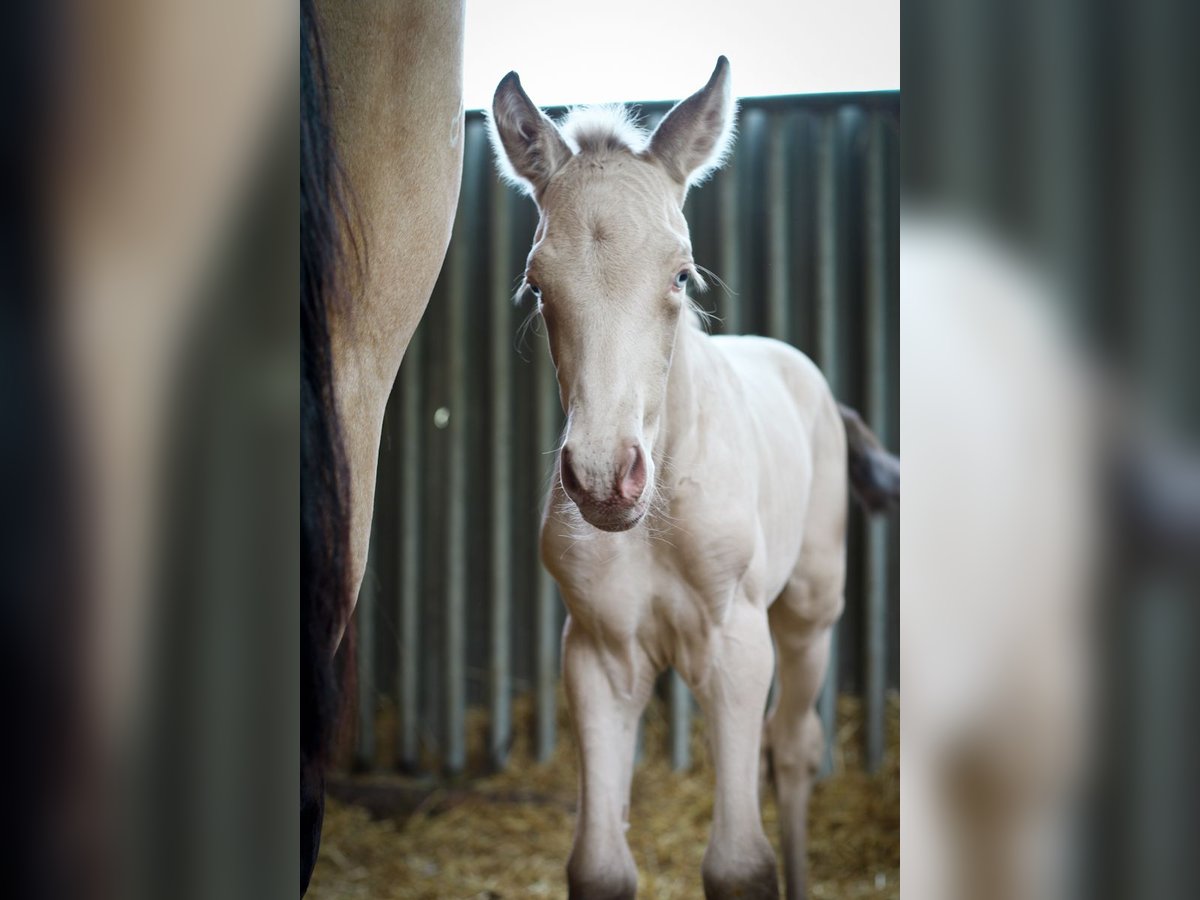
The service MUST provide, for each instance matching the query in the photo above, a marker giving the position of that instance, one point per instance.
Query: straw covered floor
(508, 835)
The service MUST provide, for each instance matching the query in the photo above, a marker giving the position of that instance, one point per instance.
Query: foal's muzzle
(609, 495)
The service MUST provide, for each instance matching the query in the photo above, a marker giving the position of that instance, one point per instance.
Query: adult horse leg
(607, 694)
(739, 861)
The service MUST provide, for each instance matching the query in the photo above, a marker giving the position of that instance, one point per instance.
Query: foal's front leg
(607, 690)
(739, 861)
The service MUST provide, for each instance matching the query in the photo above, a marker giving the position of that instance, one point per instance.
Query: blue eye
(681, 279)
(534, 289)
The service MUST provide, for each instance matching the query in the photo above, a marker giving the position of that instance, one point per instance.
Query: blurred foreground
(1051, 525)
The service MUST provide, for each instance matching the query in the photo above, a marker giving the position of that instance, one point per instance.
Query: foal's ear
(694, 137)
(528, 146)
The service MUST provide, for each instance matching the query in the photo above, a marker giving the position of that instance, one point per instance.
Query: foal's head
(609, 268)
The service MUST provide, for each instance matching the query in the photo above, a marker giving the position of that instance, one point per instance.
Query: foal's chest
(663, 588)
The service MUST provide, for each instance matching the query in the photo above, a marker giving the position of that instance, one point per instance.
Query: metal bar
(365, 611)
(456, 475)
(653, 111)
(681, 723)
(778, 237)
(546, 598)
(430, 702)
(501, 476)
(547, 666)
(827, 353)
(876, 538)
(729, 235)
(409, 552)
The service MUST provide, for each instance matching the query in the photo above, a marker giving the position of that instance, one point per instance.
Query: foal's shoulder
(762, 353)
(765, 366)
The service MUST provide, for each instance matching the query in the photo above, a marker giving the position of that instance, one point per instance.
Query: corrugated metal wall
(456, 611)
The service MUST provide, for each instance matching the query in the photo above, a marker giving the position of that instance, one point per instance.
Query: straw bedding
(508, 835)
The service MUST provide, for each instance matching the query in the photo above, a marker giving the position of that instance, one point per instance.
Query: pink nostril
(633, 478)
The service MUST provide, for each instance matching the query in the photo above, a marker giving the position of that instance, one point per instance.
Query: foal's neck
(684, 389)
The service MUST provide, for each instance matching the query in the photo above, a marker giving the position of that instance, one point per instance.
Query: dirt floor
(508, 835)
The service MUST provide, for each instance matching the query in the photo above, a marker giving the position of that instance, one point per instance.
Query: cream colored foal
(700, 508)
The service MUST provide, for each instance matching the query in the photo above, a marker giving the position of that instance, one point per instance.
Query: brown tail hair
(874, 472)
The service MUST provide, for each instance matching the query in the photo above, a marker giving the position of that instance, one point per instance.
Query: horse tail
(324, 473)
(874, 472)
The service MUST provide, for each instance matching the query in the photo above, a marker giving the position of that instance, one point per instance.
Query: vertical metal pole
(778, 257)
(409, 551)
(728, 221)
(876, 549)
(456, 475)
(827, 352)
(501, 474)
(681, 723)
(546, 599)
(365, 611)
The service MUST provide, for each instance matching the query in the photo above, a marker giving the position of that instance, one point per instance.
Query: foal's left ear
(693, 138)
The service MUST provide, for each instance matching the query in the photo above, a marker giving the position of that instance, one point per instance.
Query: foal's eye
(681, 279)
(535, 290)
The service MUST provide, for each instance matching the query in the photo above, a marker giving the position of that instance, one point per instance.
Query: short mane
(600, 129)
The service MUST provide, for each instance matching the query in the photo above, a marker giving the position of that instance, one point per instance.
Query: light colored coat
(701, 499)
(395, 78)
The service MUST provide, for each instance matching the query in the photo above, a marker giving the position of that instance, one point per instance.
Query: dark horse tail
(324, 476)
(874, 472)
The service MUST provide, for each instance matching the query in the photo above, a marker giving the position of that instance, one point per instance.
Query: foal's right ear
(528, 146)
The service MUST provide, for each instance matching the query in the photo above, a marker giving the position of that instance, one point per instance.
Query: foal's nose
(620, 484)
(633, 474)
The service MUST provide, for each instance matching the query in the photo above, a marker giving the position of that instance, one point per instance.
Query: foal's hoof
(758, 882)
(754, 889)
(610, 883)
(601, 889)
